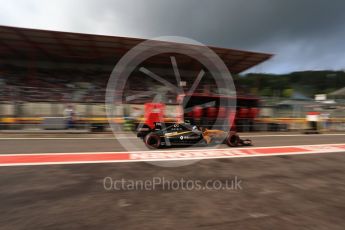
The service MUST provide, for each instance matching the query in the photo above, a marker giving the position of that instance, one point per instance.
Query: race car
(173, 134)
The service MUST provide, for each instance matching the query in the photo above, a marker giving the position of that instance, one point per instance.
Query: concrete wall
(40, 109)
(51, 109)
(6, 110)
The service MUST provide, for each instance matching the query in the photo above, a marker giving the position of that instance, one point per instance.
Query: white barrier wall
(6, 110)
(41, 109)
(81, 109)
(97, 110)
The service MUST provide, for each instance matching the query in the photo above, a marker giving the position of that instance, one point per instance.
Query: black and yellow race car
(173, 134)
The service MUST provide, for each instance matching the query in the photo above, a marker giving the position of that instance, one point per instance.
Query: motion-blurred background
(48, 78)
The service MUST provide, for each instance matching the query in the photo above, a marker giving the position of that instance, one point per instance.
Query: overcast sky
(303, 34)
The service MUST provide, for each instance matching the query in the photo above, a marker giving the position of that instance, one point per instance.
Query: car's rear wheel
(153, 141)
(232, 140)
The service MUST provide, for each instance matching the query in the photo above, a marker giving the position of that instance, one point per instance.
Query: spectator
(69, 115)
(325, 120)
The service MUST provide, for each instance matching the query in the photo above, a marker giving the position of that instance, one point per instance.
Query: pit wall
(34, 113)
(83, 110)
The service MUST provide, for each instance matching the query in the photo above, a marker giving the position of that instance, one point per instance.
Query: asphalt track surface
(109, 144)
(275, 192)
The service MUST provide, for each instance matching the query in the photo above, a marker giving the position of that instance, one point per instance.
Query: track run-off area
(77, 150)
(172, 155)
(293, 181)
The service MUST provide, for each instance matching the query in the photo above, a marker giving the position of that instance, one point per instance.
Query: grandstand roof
(339, 92)
(43, 45)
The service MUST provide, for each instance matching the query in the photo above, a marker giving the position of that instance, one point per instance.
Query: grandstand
(39, 66)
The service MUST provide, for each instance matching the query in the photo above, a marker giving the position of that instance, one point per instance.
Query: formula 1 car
(173, 134)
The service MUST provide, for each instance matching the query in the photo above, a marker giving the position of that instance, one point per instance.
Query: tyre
(232, 140)
(153, 141)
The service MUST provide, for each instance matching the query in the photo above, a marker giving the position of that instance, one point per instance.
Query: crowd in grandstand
(74, 86)
(42, 86)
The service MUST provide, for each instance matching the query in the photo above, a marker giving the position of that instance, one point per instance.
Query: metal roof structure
(18, 46)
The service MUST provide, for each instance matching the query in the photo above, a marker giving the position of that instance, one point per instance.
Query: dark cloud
(303, 34)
